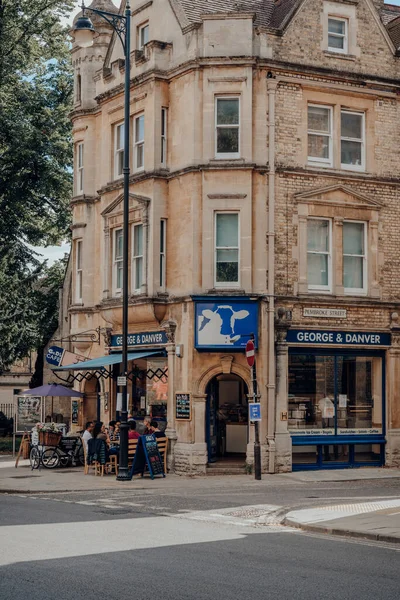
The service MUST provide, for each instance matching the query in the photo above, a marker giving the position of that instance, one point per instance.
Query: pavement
(373, 519)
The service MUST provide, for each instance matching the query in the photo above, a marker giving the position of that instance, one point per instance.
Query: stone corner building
(264, 198)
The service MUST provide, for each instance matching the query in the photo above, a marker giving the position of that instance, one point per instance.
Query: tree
(35, 162)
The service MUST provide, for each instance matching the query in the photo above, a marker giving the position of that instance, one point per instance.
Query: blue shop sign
(342, 338)
(54, 355)
(222, 323)
(148, 338)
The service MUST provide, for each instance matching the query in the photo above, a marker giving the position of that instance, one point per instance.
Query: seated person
(87, 434)
(155, 430)
(111, 429)
(99, 433)
(132, 433)
(147, 426)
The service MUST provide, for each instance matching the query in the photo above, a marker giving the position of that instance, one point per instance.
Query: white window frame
(118, 150)
(327, 289)
(117, 261)
(163, 246)
(164, 120)
(361, 141)
(358, 291)
(79, 167)
(78, 271)
(226, 155)
(136, 258)
(226, 284)
(140, 30)
(345, 36)
(138, 143)
(312, 160)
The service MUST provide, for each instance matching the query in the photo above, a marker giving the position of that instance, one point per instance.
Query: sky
(53, 253)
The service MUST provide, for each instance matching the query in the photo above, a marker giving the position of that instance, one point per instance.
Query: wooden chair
(162, 443)
(132, 445)
(112, 464)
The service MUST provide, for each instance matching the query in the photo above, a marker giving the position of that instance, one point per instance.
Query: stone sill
(341, 55)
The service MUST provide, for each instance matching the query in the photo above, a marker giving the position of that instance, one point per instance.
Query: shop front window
(335, 394)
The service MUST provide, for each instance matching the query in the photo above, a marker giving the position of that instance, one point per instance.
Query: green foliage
(35, 167)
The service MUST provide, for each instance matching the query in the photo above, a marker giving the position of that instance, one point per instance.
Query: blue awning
(106, 361)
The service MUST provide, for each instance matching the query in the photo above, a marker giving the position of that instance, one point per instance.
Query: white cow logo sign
(217, 327)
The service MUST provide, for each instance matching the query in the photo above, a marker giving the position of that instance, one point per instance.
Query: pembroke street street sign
(325, 313)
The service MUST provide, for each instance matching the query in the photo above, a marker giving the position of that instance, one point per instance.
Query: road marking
(329, 513)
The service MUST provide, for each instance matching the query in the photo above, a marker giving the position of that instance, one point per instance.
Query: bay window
(227, 125)
(226, 249)
(78, 270)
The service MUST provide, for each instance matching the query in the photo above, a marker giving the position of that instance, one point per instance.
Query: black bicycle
(68, 452)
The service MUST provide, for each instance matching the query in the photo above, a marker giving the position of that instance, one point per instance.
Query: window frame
(78, 271)
(138, 144)
(325, 289)
(164, 122)
(136, 258)
(117, 261)
(118, 151)
(163, 251)
(361, 141)
(364, 290)
(312, 160)
(226, 284)
(226, 155)
(140, 29)
(79, 167)
(345, 37)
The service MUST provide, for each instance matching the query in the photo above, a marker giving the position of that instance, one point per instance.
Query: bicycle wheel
(34, 458)
(50, 458)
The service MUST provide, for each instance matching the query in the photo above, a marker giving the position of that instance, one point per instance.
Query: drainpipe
(271, 90)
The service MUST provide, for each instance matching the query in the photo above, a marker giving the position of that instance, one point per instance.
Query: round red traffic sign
(250, 353)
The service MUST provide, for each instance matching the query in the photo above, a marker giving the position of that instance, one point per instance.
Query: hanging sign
(147, 454)
(182, 407)
(225, 323)
(59, 357)
(345, 338)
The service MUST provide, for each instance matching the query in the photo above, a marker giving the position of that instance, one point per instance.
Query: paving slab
(374, 520)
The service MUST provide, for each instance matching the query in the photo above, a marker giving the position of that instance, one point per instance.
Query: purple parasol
(52, 389)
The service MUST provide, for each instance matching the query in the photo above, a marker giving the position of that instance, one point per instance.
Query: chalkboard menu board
(147, 454)
(182, 407)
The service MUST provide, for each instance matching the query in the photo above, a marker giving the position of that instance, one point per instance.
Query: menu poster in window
(74, 411)
(29, 412)
(182, 407)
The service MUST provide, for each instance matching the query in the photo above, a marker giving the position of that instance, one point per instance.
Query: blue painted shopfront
(336, 404)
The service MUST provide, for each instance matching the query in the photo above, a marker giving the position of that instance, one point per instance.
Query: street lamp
(257, 448)
(84, 34)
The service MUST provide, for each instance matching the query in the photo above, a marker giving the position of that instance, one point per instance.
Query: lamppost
(84, 34)
(256, 398)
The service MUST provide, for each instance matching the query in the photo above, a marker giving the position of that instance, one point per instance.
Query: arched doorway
(226, 418)
(91, 401)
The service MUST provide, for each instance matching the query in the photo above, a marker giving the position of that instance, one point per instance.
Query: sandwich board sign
(147, 454)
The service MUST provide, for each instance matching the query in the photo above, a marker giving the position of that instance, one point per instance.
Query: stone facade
(275, 58)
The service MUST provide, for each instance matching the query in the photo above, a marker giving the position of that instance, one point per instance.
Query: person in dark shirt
(155, 430)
